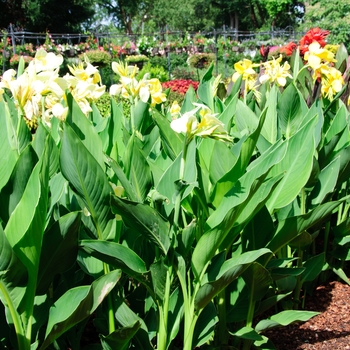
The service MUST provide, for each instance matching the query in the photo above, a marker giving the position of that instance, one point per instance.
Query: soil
(330, 330)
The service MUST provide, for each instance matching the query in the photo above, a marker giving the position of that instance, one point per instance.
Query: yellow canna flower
(208, 126)
(246, 69)
(317, 55)
(331, 82)
(175, 109)
(275, 73)
(155, 89)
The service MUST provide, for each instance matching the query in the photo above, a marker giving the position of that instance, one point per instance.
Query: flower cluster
(180, 85)
(39, 92)
(133, 89)
(319, 58)
(200, 121)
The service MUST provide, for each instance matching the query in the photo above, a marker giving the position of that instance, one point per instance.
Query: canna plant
(171, 227)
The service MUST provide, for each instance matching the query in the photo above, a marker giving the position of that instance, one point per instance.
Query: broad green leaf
(303, 240)
(137, 169)
(12, 193)
(247, 333)
(313, 267)
(120, 338)
(13, 274)
(171, 140)
(59, 249)
(8, 152)
(77, 304)
(227, 216)
(42, 140)
(269, 129)
(290, 108)
(290, 228)
(258, 280)
(205, 89)
(115, 254)
(342, 232)
(338, 123)
(259, 231)
(327, 180)
(126, 317)
(284, 318)
(144, 220)
(87, 178)
(85, 130)
(142, 117)
(167, 183)
(129, 189)
(239, 167)
(341, 58)
(246, 120)
(230, 270)
(175, 315)
(297, 165)
(205, 325)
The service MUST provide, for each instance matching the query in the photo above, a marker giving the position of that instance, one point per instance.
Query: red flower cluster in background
(180, 85)
(314, 34)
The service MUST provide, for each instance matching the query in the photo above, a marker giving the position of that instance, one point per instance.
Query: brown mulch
(330, 330)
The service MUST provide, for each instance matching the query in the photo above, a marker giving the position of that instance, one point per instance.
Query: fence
(12, 39)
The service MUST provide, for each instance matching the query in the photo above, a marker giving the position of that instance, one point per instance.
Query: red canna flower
(314, 34)
(289, 48)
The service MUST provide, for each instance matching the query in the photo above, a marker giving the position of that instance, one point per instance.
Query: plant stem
(222, 330)
(21, 339)
(111, 320)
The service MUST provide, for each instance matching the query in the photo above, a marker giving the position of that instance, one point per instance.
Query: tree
(329, 15)
(56, 16)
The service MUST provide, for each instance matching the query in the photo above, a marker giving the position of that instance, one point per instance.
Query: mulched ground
(330, 330)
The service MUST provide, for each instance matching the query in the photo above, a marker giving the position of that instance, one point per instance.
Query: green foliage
(97, 57)
(154, 72)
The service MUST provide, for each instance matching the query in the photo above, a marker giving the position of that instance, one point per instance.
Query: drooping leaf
(230, 270)
(144, 220)
(205, 325)
(284, 318)
(77, 304)
(115, 254)
(59, 249)
(120, 338)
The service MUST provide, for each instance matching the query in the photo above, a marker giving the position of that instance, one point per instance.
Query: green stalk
(111, 320)
(162, 338)
(299, 282)
(21, 339)
(247, 343)
(222, 330)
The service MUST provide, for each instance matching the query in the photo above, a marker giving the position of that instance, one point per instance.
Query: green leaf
(145, 220)
(269, 129)
(85, 130)
(59, 249)
(313, 267)
(229, 271)
(166, 185)
(115, 254)
(284, 318)
(126, 317)
(205, 325)
(297, 165)
(171, 140)
(120, 338)
(247, 333)
(135, 164)
(290, 108)
(258, 280)
(77, 304)
(12, 193)
(13, 273)
(204, 90)
(87, 178)
(290, 228)
(327, 180)
(8, 152)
